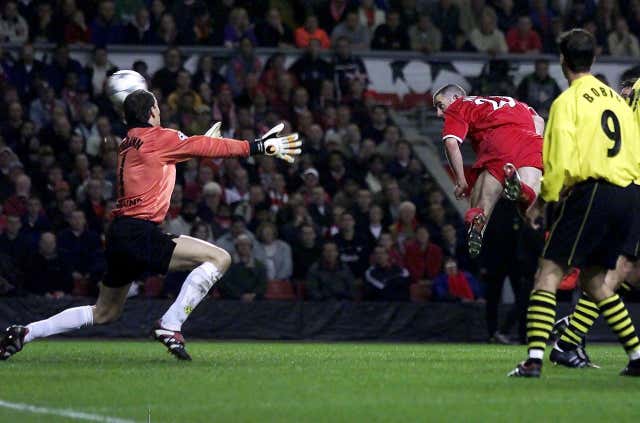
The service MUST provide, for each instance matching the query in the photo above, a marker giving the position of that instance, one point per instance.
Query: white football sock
(193, 290)
(65, 321)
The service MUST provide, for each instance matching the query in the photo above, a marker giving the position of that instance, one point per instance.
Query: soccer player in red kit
(135, 244)
(506, 136)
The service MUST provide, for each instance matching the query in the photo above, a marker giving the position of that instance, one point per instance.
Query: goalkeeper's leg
(108, 308)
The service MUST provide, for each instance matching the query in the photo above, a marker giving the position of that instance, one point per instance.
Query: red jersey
(147, 167)
(477, 117)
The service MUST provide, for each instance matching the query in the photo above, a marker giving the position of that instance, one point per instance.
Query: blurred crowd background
(356, 217)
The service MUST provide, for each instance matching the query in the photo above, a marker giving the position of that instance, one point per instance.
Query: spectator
(507, 15)
(487, 38)
(106, 28)
(182, 223)
(13, 27)
(328, 278)
(76, 30)
(311, 31)
(422, 257)
(11, 129)
(354, 251)
(46, 273)
(606, 16)
(238, 28)
(456, 285)
(138, 31)
(374, 175)
(165, 77)
(244, 65)
(358, 35)
(377, 130)
(202, 31)
(61, 66)
(17, 204)
(98, 69)
(318, 208)
(13, 241)
(452, 246)
(391, 35)
(399, 166)
(386, 241)
(273, 32)
(278, 262)
(87, 128)
(347, 67)
(43, 28)
(306, 251)
(202, 231)
(239, 227)
(25, 72)
(523, 38)
(310, 69)
(424, 36)
(404, 227)
(621, 42)
(246, 279)
(331, 13)
(81, 250)
(386, 281)
(541, 16)
(183, 87)
(471, 14)
(370, 14)
(447, 14)
(167, 32)
(539, 89)
(207, 73)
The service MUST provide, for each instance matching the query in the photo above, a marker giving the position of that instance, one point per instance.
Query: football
(123, 83)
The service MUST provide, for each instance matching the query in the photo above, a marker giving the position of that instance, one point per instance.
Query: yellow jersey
(591, 133)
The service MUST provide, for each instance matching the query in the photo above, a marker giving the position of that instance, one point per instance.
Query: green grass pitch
(302, 382)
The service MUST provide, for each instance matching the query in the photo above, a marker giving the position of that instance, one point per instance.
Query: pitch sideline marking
(62, 412)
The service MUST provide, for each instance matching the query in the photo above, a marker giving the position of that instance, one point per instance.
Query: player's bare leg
(108, 308)
(207, 264)
(484, 196)
(522, 185)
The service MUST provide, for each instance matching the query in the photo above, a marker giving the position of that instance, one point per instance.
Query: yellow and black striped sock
(584, 315)
(624, 289)
(540, 318)
(617, 317)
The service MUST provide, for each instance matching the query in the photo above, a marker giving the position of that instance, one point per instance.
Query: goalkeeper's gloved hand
(214, 131)
(272, 144)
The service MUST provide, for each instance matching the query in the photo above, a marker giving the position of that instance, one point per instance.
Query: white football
(123, 83)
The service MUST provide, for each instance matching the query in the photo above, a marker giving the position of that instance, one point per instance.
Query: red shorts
(506, 145)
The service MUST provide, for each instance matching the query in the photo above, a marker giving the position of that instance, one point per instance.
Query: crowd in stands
(490, 26)
(356, 217)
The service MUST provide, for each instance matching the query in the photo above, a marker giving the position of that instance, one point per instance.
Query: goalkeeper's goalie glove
(214, 131)
(272, 144)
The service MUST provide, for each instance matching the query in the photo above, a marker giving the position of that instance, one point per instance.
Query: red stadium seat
(280, 290)
(419, 293)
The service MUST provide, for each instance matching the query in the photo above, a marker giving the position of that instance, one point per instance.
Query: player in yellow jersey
(569, 332)
(591, 158)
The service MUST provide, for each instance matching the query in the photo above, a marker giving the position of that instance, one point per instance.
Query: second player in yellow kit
(591, 158)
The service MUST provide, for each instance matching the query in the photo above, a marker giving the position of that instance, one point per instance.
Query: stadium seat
(153, 286)
(280, 290)
(419, 293)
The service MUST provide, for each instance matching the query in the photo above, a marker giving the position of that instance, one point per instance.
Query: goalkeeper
(135, 244)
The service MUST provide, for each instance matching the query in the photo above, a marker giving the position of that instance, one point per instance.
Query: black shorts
(594, 225)
(135, 247)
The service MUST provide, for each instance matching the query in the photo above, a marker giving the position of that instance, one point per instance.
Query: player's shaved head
(446, 95)
(578, 50)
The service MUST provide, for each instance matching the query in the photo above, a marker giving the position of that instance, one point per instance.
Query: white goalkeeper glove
(272, 144)
(214, 131)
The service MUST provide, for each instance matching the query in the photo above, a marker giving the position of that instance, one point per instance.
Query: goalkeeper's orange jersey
(147, 167)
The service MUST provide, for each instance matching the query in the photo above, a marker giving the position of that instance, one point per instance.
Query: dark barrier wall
(272, 320)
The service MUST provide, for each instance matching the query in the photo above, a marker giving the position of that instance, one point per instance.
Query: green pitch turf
(302, 382)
